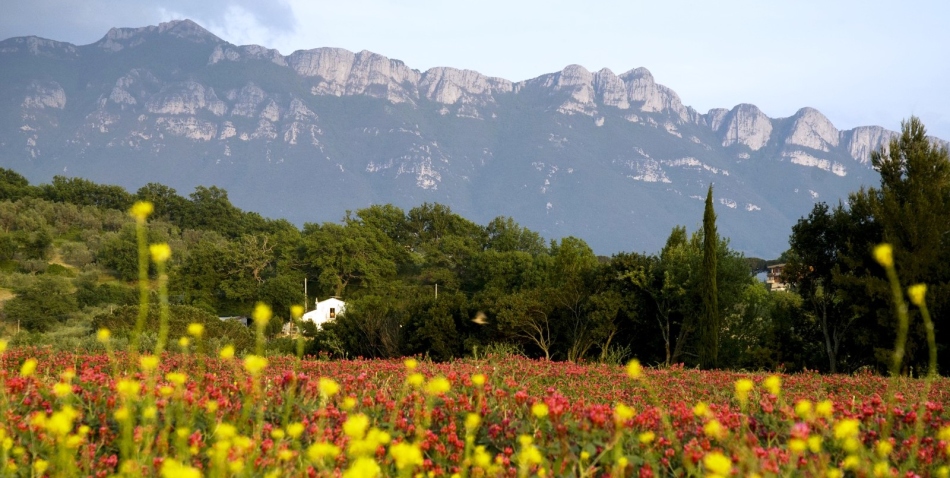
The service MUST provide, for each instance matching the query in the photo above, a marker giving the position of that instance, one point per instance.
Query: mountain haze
(616, 160)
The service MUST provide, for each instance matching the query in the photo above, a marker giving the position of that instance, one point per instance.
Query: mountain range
(617, 160)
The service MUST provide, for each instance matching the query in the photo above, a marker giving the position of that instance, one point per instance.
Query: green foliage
(710, 326)
(121, 321)
(41, 305)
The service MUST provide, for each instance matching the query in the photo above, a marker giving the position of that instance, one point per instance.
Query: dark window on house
(332, 312)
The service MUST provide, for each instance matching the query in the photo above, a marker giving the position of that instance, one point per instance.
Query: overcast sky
(867, 62)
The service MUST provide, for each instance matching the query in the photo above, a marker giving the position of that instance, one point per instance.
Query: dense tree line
(429, 282)
(846, 292)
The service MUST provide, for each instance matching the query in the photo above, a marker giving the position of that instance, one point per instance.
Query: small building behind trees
(325, 311)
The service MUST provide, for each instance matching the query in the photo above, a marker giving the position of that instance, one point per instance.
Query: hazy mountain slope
(617, 160)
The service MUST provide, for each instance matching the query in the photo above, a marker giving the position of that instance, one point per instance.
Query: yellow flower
(28, 367)
(148, 362)
(149, 412)
(284, 455)
(355, 426)
(128, 388)
(438, 386)
(943, 472)
(773, 384)
(833, 473)
(701, 409)
(916, 293)
(814, 443)
(40, 466)
(717, 463)
(328, 387)
(211, 406)
(177, 378)
(60, 423)
(184, 342)
(363, 467)
(825, 408)
(121, 414)
(797, 445)
(847, 428)
(482, 458)
(296, 311)
(415, 379)
(261, 315)
(478, 379)
(410, 364)
(225, 431)
(539, 410)
(884, 254)
(622, 413)
(141, 210)
(406, 455)
(103, 335)
(349, 403)
(160, 253)
(634, 370)
(803, 409)
(254, 364)
(295, 430)
(472, 421)
(743, 387)
(62, 389)
(172, 468)
(714, 429)
(646, 437)
(944, 433)
(322, 450)
(196, 330)
(3, 346)
(227, 353)
(883, 448)
(277, 434)
(881, 468)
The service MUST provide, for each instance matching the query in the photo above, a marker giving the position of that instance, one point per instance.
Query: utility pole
(437, 291)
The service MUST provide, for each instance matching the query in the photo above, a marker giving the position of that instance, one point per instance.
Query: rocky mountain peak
(812, 129)
(120, 38)
(34, 45)
(744, 124)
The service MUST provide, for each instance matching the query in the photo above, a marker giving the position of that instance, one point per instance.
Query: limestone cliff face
(812, 129)
(340, 72)
(44, 94)
(861, 141)
(745, 124)
(654, 98)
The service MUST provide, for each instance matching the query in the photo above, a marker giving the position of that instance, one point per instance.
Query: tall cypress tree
(709, 322)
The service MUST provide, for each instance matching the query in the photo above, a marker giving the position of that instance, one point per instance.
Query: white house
(325, 311)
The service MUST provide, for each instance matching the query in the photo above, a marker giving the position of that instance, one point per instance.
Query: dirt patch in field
(5, 295)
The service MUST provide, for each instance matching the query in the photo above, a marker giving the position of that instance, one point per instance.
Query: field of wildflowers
(194, 415)
(196, 412)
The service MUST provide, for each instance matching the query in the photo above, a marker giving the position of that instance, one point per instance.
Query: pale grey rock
(450, 86)
(120, 38)
(188, 127)
(715, 117)
(610, 89)
(299, 111)
(38, 46)
(812, 129)
(580, 83)
(246, 52)
(271, 111)
(44, 94)
(745, 124)
(654, 98)
(185, 98)
(803, 158)
(861, 141)
(340, 72)
(247, 100)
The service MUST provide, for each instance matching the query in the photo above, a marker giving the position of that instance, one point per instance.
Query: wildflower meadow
(185, 410)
